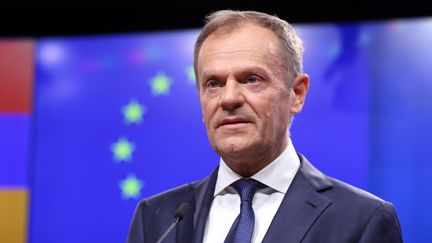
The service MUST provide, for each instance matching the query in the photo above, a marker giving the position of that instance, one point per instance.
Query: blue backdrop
(117, 118)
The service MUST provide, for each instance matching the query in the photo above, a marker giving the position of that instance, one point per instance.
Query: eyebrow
(248, 69)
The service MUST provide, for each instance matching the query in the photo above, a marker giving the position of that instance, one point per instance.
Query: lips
(232, 121)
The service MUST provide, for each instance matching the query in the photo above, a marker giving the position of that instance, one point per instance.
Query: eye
(252, 79)
(213, 84)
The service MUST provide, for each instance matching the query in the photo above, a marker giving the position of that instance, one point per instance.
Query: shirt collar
(277, 175)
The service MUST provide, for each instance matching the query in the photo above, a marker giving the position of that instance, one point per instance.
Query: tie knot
(247, 188)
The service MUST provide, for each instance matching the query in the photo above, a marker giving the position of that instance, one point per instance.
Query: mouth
(233, 122)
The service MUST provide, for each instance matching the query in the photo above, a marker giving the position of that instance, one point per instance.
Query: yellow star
(131, 187)
(122, 150)
(191, 74)
(160, 84)
(133, 112)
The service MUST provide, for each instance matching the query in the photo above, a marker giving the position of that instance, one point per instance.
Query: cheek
(208, 113)
(277, 114)
(282, 115)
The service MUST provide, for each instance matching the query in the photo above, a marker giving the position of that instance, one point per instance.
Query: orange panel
(16, 75)
(13, 216)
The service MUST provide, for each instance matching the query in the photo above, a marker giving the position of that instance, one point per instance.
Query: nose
(231, 97)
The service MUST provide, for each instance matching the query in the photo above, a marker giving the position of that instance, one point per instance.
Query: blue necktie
(242, 229)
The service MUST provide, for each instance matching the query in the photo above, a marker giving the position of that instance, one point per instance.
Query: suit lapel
(184, 228)
(203, 193)
(191, 227)
(301, 206)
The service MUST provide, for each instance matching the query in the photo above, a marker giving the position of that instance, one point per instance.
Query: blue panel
(14, 145)
(83, 86)
(332, 129)
(401, 118)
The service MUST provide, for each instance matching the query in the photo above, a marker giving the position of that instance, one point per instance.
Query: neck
(247, 166)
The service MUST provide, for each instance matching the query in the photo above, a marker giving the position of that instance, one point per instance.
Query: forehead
(247, 44)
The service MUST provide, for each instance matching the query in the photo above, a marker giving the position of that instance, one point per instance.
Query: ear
(299, 87)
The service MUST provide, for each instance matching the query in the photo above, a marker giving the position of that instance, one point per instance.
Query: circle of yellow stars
(133, 113)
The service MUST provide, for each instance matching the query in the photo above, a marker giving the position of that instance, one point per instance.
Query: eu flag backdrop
(117, 118)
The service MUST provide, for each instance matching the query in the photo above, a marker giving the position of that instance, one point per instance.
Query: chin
(232, 150)
(235, 145)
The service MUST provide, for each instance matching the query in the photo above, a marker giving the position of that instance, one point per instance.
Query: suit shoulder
(178, 192)
(337, 191)
(344, 193)
(170, 194)
(152, 214)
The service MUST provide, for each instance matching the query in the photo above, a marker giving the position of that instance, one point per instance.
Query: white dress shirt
(225, 207)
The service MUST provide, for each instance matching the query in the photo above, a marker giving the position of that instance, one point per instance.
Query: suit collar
(301, 206)
(278, 174)
(313, 176)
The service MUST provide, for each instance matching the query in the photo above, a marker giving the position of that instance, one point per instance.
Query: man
(250, 81)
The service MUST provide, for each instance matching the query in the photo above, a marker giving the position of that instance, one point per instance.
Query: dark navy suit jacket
(316, 208)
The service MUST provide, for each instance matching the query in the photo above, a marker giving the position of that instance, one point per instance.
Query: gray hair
(291, 44)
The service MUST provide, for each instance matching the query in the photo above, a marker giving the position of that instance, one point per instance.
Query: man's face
(246, 97)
